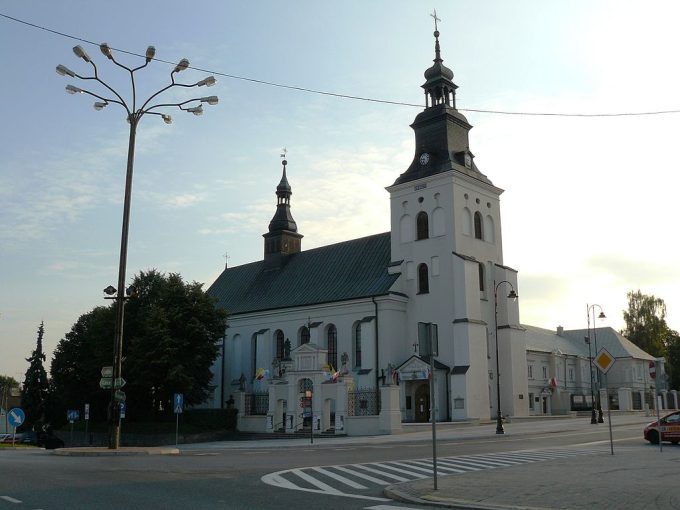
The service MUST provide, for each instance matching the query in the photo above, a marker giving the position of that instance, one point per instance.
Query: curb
(105, 452)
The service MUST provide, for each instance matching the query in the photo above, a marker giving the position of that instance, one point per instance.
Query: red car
(666, 429)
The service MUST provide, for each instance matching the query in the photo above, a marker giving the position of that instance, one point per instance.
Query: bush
(211, 419)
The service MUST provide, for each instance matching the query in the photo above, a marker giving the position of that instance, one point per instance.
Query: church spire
(439, 86)
(283, 237)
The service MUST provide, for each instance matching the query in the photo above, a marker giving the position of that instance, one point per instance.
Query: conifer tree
(36, 387)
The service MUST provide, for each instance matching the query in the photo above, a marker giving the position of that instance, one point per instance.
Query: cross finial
(284, 151)
(434, 16)
(226, 259)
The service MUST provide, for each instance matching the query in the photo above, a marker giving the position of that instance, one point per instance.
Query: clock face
(424, 158)
(468, 160)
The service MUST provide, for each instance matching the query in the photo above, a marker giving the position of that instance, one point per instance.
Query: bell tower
(283, 237)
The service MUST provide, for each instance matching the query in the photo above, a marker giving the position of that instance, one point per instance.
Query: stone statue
(344, 359)
(242, 382)
(390, 374)
(286, 349)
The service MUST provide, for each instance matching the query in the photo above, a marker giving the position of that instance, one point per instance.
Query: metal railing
(256, 404)
(363, 402)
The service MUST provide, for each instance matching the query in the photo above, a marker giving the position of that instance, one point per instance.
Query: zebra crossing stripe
(363, 476)
(316, 483)
(440, 467)
(409, 473)
(409, 465)
(381, 473)
(339, 478)
(458, 465)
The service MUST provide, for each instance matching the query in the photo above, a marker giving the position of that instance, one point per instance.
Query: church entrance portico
(414, 377)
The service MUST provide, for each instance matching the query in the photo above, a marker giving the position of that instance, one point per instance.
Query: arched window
(482, 278)
(422, 227)
(478, 226)
(357, 344)
(278, 338)
(423, 279)
(304, 335)
(332, 337)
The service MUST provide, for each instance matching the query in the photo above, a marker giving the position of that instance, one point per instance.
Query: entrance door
(422, 414)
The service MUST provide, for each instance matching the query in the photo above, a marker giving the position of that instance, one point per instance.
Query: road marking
(320, 479)
(11, 500)
(391, 507)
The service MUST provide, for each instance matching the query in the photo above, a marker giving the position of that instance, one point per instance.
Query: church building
(335, 337)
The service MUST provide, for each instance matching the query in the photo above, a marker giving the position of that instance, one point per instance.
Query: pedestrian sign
(16, 417)
(73, 415)
(123, 408)
(178, 403)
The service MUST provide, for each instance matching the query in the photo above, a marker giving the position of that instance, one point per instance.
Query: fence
(363, 402)
(256, 404)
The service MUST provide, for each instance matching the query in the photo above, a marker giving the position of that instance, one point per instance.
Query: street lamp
(134, 115)
(512, 295)
(599, 403)
(593, 418)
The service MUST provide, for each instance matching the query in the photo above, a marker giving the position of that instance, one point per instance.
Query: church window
(467, 222)
(333, 346)
(438, 227)
(478, 226)
(304, 335)
(278, 338)
(423, 279)
(406, 228)
(489, 231)
(530, 374)
(482, 278)
(422, 226)
(545, 372)
(357, 344)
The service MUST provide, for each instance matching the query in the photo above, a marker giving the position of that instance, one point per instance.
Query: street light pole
(512, 295)
(134, 115)
(593, 418)
(602, 316)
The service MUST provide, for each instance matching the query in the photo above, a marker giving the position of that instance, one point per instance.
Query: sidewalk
(120, 452)
(636, 477)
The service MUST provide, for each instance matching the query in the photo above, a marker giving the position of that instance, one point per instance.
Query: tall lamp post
(512, 295)
(593, 418)
(602, 316)
(134, 116)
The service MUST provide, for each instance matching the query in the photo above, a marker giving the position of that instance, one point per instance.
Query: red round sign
(652, 370)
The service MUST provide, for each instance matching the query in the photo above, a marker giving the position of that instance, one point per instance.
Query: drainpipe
(224, 338)
(377, 351)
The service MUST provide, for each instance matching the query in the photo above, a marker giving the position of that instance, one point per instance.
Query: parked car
(665, 429)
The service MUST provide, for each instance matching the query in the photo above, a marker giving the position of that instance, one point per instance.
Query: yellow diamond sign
(604, 360)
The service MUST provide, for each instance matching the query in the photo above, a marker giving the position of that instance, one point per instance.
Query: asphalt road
(230, 475)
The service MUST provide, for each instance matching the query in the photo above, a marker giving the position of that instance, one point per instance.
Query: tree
(673, 359)
(7, 384)
(36, 386)
(172, 332)
(170, 341)
(646, 323)
(76, 366)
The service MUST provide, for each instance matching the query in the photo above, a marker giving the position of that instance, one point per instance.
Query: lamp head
(65, 71)
(167, 119)
(602, 316)
(106, 50)
(208, 82)
(80, 53)
(211, 100)
(73, 90)
(196, 110)
(150, 53)
(513, 295)
(181, 66)
(100, 106)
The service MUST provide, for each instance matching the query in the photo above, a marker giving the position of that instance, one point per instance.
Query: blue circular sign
(16, 417)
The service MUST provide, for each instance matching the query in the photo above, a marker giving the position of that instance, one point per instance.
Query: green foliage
(170, 341)
(646, 323)
(77, 363)
(211, 419)
(7, 383)
(673, 359)
(36, 386)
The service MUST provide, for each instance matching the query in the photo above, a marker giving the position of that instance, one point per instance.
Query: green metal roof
(338, 272)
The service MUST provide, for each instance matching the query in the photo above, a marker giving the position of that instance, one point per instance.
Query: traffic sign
(105, 383)
(87, 412)
(72, 415)
(118, 383)
(107, 372)
(16, 417)
(123, 408)
(120, 396)
(604, 361)
(178, 405)
(652, 369)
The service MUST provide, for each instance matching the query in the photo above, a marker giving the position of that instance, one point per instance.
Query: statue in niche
(286, 349)
(344, 359)
(242, 382)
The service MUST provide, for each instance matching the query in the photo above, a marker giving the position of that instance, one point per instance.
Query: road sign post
(178, 406)
(87, 419)
(16, 418)
(604, 361)
(428, 345)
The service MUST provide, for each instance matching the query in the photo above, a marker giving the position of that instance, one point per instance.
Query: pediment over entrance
(309, 358)
(416, 368)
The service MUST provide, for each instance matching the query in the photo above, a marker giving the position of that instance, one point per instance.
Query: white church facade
(328, 337)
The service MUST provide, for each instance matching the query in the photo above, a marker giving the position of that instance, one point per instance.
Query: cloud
(633, 271)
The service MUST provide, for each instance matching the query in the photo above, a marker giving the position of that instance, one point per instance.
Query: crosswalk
(366, 480)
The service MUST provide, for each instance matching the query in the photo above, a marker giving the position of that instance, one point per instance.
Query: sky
(589, 202)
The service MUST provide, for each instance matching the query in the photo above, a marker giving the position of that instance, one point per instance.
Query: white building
(356, 305)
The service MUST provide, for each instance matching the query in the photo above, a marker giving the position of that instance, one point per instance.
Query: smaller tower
(283, 238)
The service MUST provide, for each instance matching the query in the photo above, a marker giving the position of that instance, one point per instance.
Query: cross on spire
(226, 259)
(284, 151)
(434, 16)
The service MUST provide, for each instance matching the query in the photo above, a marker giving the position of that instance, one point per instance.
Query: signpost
(72, 415)
(657, 400)
(604, 361)
(87, 419)
(178, 407)
(428, 345)
(15, 418)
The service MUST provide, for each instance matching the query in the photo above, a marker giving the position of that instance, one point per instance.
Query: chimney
(560, 331)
